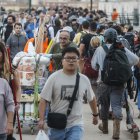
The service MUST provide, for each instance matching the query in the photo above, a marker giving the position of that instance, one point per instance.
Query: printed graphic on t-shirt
(67, 91)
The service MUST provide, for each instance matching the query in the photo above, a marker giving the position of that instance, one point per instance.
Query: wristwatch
(95, 115)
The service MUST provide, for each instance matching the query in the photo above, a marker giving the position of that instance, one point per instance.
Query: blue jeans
(72, 133)
(3, 136)
(138, 98)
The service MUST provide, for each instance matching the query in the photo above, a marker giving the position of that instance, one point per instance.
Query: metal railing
(130, 19)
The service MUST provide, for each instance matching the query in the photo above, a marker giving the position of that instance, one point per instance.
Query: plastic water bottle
(27, 111)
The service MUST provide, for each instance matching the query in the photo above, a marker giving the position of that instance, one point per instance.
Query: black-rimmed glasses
(71, 59)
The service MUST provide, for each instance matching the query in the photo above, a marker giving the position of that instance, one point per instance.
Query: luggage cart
(26, 112)
(33, 75)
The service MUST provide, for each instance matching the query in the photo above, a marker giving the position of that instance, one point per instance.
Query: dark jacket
(5, 31)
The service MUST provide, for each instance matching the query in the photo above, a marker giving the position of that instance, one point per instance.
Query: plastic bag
(42, 136)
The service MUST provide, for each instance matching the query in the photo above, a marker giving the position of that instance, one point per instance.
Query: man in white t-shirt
(59, 89)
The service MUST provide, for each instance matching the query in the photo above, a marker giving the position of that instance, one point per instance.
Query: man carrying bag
(65, 118)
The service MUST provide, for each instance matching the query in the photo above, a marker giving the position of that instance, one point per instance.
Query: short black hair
(100, 28)
(85, 24)
(18, 24)
(130, 28)
(70, 50)
(12, 16)
(93, 26)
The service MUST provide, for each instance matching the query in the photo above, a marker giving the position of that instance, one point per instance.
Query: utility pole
(30, 5)
(91, 5)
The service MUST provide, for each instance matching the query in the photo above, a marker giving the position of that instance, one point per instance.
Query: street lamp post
(30, 5)
(91, 5)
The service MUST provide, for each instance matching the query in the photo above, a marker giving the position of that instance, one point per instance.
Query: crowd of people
(77, 37)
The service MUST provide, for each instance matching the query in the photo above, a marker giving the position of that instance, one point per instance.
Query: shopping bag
(41, 135)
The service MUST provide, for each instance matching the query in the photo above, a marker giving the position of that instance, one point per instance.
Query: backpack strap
(90, 51)
(83, 33)
(105, 49)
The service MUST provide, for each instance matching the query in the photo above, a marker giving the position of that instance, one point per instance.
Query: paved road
(91, 131)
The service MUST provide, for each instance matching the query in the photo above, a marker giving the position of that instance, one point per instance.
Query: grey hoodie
(16, 43)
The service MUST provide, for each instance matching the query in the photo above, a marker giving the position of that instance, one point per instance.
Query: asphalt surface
(91, 131)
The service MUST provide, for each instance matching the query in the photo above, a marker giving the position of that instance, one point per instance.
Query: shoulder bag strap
(74, 94)
(105, 49)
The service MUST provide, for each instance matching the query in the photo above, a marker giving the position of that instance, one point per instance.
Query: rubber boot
(104, 126)
(116, 129)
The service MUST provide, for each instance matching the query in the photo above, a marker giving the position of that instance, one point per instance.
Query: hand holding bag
(42, 136)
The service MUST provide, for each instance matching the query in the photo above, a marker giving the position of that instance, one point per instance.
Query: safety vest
(45, 44)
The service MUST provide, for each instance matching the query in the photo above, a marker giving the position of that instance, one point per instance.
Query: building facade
(107, 5)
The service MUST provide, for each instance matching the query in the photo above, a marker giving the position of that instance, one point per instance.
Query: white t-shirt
(59, 89)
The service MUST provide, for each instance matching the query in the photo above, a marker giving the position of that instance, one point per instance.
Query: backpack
(130, 38)
(116, 68)
(124, 42)
(136, 68)
(87, 69)
(83, 33)
(137, 72)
